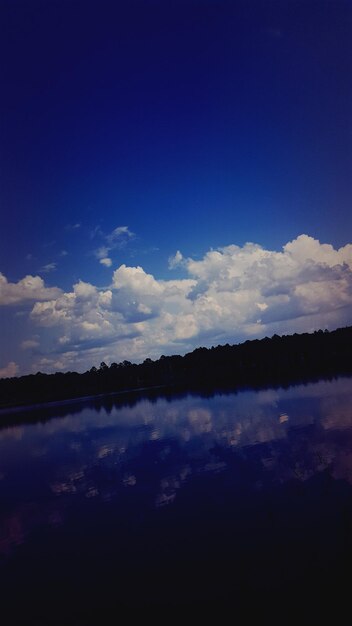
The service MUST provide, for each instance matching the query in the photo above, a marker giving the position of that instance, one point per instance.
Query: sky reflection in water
(132, 463)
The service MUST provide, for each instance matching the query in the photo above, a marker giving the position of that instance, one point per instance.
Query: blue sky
(133, 130)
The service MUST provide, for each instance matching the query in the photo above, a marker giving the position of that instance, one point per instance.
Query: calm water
(222, 501)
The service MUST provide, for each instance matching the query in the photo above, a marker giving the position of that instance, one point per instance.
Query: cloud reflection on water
(155, 448)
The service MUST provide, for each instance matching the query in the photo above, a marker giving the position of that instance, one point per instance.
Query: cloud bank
(231, 294)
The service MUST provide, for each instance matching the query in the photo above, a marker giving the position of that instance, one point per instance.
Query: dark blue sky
(196, 124)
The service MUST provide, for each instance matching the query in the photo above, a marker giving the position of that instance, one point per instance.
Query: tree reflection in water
(223, 501)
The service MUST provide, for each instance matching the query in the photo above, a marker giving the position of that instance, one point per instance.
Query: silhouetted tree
(275, 360)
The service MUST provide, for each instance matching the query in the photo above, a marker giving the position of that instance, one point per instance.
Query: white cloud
(9, 371)
(121, 233)
(117, 239)
(85, 291)
(65, 362)
(26, 289)
(106, 261)
(101, 252)
(28, 344)
(136, 280)
(176, 260)
(305, 248)
(229, 295)
(49, 267)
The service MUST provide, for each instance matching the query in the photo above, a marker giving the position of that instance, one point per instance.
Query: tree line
(258, 362)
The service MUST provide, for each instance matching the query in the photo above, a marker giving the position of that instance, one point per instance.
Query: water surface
(180, 501)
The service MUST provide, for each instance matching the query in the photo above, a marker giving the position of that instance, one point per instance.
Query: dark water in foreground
(238, 502)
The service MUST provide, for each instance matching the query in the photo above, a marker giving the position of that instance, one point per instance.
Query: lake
(225, 501)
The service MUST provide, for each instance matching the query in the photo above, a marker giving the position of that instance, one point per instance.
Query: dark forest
(268, 361)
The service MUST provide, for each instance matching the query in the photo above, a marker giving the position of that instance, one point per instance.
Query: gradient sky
(173, 174)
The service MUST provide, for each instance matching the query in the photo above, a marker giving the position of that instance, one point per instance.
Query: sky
(174, 174)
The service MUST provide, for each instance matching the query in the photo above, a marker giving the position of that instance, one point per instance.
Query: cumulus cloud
(231, 294)
(175, 260)
(136, 295)
(26, 289)
(136, 280)
(106, 261)
(9, 371)
(84, 317)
